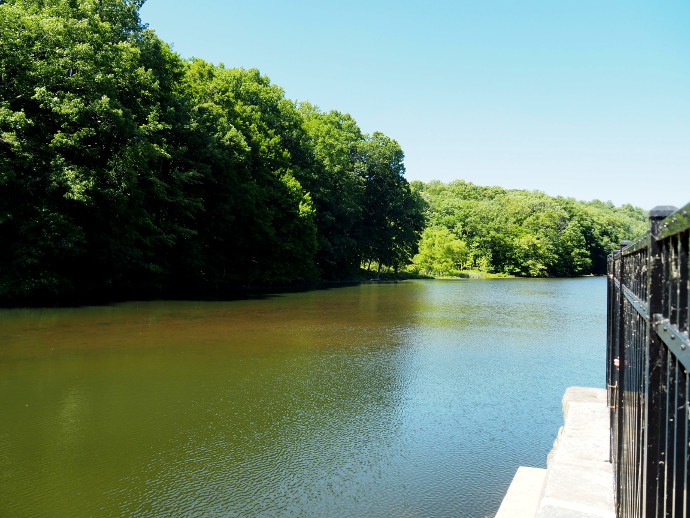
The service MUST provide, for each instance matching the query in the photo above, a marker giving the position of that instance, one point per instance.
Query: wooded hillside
(517, 232)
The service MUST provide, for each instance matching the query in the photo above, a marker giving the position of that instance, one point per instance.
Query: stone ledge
(578, 480)
(522, 498)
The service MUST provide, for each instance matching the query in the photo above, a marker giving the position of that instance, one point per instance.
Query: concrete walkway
(578, 480)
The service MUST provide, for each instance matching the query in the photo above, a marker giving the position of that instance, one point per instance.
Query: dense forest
(516, 232)
(127, 169)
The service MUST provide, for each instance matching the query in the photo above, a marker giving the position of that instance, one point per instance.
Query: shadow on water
(209, 294)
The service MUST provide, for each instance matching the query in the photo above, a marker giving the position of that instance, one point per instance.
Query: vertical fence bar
(621, 469)
(611, 350)
(680, 440)
(686, 441)
(684, 326)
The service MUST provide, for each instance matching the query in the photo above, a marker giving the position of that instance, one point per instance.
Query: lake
(413, 399)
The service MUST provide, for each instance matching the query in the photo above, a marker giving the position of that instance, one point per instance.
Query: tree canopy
(125, 168)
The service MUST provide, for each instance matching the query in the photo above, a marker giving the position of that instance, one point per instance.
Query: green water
(381, 400)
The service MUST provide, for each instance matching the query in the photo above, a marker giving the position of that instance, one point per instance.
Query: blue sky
(588, 99)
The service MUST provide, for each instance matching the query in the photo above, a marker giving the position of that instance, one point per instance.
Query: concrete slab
(585, 488)
(578, 480)
(524, 494)
(558, 511)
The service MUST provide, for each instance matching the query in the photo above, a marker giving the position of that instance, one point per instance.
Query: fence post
(655, 455)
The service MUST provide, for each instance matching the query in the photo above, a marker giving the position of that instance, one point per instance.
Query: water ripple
(416, 399)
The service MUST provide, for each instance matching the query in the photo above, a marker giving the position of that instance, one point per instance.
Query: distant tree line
(126, 169)
(517, 232)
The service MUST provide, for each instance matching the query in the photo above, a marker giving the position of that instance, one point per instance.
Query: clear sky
(581, 98)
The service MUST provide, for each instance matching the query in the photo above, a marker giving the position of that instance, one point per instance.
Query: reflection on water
(411, 399)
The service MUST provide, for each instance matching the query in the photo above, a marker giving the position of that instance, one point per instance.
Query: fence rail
(648, 359)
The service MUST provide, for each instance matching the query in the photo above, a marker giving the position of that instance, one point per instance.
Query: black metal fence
(648, 359)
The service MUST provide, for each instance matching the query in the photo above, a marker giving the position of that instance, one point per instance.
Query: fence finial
(662, 211)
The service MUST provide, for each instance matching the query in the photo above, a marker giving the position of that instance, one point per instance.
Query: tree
(441, 252)
(266, 231)
(336, 189)
(392, 219)
(85, 113)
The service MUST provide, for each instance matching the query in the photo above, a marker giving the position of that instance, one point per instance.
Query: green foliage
(393, 215)
(519, 232)
(336, 189)
(366, 210)
(124, 168)
(84, 122)
(441, 252)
